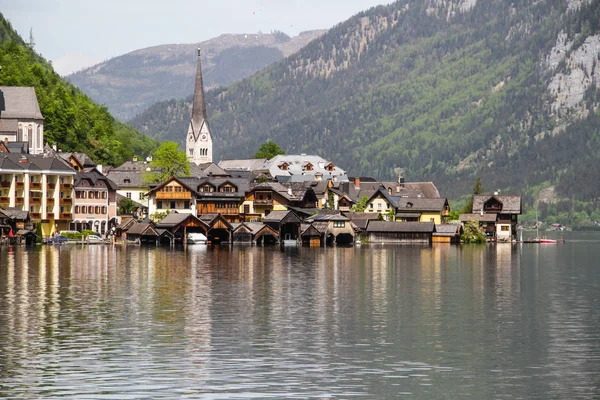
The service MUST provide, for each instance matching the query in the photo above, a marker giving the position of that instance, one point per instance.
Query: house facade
(505, 209)
(41, 185)
(95, 202)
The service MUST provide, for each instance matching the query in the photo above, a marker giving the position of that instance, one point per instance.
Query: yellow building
(42, 186)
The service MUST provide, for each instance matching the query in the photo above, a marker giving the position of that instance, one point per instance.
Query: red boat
(548, 241)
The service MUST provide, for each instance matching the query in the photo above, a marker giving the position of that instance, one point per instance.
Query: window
(504, 228)
(104, 195)
(97, 210)
(103, 209)
(128, 195)
(379, 206)
(76, 209)
(186, 204)
(126, 180)
(159, 204)
(173, 204)
(339, 224)
(83, 209)
(30, 135)
(371, 205)
(141, 196)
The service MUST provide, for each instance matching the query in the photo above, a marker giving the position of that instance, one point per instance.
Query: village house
(95, 204)
(129, 178)
(267, 197)
(497, 214)
(41, 185)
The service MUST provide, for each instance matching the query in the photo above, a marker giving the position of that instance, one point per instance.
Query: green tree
(473, 233)
(330, 204)
(361, 205)
(159, 215)
(167, 161)
(268, 149)
(477, 189)
(126, 206)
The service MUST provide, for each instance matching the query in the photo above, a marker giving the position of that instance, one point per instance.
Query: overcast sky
(79, 33)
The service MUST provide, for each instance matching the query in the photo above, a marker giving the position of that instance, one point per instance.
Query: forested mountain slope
(432, 89)
(130, 83)
(72, 120)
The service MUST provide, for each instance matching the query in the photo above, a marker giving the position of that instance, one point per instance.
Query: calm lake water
(380, 322)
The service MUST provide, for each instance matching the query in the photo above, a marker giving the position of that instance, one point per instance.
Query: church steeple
(199, 139)
(199, 106)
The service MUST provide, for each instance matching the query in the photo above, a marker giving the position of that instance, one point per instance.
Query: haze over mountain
(129, 83)
(431, 89)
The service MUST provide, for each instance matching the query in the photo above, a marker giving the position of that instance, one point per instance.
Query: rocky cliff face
(130, 83)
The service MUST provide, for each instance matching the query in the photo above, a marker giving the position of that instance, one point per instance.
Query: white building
(20, 118)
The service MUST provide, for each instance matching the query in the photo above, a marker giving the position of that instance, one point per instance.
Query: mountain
(71, 119)
(128, 84)
(431, 89)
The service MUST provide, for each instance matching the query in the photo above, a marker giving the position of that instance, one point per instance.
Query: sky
(74, 34)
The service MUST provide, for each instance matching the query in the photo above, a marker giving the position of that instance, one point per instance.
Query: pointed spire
(199, 106)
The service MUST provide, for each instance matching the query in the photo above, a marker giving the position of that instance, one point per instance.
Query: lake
(503, 321)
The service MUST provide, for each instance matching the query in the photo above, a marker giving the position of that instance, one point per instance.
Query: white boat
(196, 238)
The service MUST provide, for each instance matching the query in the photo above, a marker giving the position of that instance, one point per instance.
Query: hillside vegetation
(431, 89)
(72, 120)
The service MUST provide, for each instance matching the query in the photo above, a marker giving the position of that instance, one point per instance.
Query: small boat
(196, 238)
(548, 241)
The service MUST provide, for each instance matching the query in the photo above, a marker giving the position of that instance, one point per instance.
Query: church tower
(199, 145)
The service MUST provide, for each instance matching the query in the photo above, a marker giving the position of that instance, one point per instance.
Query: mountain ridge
(442, 90)
(128, 83)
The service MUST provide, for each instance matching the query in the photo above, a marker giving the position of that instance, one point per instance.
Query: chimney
(290, 191)
(134, 158)
(357, 183)
(401, 181)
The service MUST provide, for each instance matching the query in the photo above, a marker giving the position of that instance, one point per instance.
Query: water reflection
(373, 321)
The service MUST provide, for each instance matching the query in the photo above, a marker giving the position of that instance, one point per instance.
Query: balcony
(5, 184)
(66, 216)
(50, 201)
(173, 195)
(20, 185)
(20, 200)
(35, 200)
(35, 216)
(4, 201)
(263, 202)
(51, 186)
(66, 186)
(35, 186)
(66, 201)
(49, 215)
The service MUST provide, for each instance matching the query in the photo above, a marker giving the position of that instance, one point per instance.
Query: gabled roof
(126, 224)
(34, 162)
(282, 217)
(16, 213)
(448, 229)
(328, 215)
(20, 103)
(249, 164)
(478, 217)
(143, 229)
(186, 182)
(401, 227)
(212, 219)
(412, 204)
(510, 204)
(173, 220)
(8, 126)
(94, 176)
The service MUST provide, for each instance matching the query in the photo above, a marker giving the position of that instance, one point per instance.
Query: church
(199, 143)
